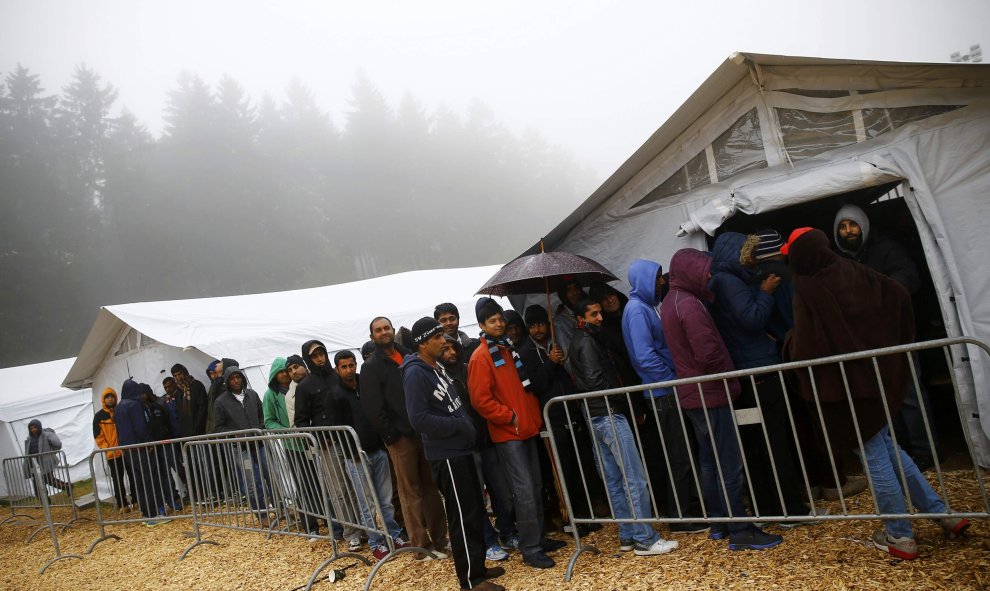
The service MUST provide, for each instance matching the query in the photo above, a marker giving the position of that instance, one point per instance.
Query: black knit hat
(423, 329)
(295, 360)
(485, 308)
(513, 317)
(367, 348)
(536, 313)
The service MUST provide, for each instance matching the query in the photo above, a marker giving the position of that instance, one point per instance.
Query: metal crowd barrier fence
(149, 481)
(786, 446)
(352, 497)
(25, 492)
(43, 471)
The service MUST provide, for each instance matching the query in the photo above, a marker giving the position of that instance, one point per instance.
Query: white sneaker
(661, 546)
(496, 553)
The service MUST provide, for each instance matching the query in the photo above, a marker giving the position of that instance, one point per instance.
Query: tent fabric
(34, 392)
(926, 125)
(254, 329)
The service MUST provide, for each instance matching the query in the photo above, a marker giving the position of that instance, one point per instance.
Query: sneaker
(551, 545)
(661, 546)
(690, 527)
(793, 524)
(512, 543)
(539, 560)
(400, 543)
(496, 553)
(903, 548)
(953, 526)
(753, 539)
(354, 544)
(719, 531)
(153, 522)
(852, 487)
(626, 545)
(379, 552)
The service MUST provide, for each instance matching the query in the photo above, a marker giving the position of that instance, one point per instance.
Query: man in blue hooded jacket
(132, 429)
(664, 439)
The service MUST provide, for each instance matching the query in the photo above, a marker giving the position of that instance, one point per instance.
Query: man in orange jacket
(501, 393)
(105, 433)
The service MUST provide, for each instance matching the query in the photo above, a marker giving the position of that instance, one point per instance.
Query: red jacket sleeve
(481, 388)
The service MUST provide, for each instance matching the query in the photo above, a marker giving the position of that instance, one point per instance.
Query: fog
(155, 151)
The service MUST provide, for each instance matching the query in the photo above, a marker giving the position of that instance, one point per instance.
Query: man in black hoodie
(313, 408)
(384, 402)
(438, 414)
(192, 402)
(158, 425)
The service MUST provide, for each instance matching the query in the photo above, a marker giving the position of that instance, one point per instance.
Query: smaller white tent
(143, 340)
(35, 392)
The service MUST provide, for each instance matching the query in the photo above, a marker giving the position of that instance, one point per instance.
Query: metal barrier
(353, 499)
(773, 436)
(27, 492)
(152, 477)
(43, 471)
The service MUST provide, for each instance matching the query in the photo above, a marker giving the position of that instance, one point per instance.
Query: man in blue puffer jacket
(132, 429)
(648, 353)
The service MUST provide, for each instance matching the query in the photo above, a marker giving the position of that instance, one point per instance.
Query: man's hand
(556, 355)
(770, 284)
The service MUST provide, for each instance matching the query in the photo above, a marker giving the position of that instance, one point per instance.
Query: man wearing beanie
(438, 414)
(501, 392)
(384, 399)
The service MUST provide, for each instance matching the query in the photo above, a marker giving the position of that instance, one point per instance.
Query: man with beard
(384, 400)
(570, 293)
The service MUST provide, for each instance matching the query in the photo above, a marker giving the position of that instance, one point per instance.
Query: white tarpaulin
(35, 392)
(143, 340)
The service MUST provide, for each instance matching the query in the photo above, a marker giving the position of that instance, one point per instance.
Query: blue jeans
(522, 467)
(378, 468)
(625, 480)
(259, 489)
(730, 460)
(493, 478)
(882, 464)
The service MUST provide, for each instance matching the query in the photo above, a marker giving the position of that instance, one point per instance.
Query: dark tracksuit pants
(672, 488)
(457, 479)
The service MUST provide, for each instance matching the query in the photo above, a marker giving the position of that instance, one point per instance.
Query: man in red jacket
(501, 393)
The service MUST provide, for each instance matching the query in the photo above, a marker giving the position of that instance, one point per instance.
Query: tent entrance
(888, 212)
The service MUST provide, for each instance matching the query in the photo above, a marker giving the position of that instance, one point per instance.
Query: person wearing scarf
(501, 392)
(842, 306)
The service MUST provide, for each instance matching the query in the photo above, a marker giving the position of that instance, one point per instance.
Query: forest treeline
(241, 196)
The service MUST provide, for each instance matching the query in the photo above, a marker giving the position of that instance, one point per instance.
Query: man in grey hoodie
(44, 441)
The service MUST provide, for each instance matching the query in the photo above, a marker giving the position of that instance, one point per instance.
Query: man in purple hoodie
(698, 350)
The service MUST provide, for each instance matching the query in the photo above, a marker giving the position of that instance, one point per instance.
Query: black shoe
(924, 462)
(539, 560)
(753, 539)
(494, 572)
(587, 528)
(691, 527)
(551, 545)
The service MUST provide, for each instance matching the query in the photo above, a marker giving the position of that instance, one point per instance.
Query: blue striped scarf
(499, 361)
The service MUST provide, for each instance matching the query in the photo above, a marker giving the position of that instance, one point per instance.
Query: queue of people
(445, 418)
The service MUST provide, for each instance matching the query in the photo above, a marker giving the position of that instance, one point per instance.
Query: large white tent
(765, 133)
(35, 392)
(143, 340)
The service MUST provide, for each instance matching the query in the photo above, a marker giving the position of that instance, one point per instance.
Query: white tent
(143, 340)
(34, 392)
(765, 133)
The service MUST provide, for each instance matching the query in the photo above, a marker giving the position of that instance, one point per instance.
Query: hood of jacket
(856, 214)
(725, 255)
(312, 367)
(108, 390)
(277, 366)
(131, 390)
(34, 423)
(689, 269)
(643, 281)
(231, 371)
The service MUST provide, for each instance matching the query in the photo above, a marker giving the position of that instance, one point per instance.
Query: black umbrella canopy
(545, 272)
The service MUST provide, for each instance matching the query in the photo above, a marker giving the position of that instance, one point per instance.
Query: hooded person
(318, 361)
(439, 416)
(239, 408)
(192, 402)
(564, 321)
(501, 392)
(274, 411)
(43, 441)
(844, 307)
(613, 303)
(105, 434)
(218, 386)
(132, 429)
(159, 426)
(642, 334)
(301, 463)
(698, 351)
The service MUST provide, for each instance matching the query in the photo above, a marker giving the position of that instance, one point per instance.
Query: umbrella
(542, 272)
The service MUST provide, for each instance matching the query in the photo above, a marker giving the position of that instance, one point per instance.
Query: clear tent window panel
(808, 134)
(690, 176)
(739, 148)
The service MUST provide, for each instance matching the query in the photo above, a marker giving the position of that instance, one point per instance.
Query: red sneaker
(380, 552)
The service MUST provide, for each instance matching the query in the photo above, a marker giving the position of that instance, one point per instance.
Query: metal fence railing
(148, 482)
(31, 480)
(768, 445)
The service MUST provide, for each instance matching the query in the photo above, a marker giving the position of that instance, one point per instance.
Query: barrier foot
(37, 531)
(102, 538)
(326, 563)
(56, 559)
(392, 555)
(17, 516)
(194, 544)
(69, 523)
(578, 552)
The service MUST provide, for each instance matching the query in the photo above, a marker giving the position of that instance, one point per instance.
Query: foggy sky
(594, 77)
